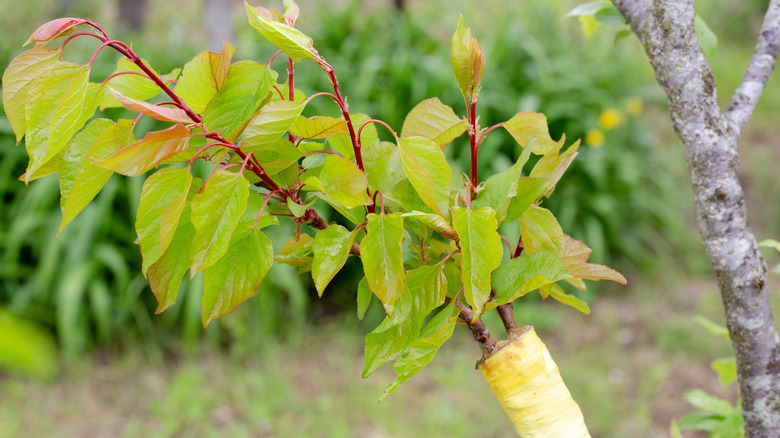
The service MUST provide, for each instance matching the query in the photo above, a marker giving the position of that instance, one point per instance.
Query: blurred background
(82, 353)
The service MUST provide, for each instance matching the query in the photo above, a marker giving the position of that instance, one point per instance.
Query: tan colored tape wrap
(526, 381)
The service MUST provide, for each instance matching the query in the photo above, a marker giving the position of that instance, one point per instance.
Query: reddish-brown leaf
(146, 154)
(165, 114)
(54, 28)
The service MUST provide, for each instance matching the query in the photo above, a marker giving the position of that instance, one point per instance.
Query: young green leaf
(162, 201)
(318, 127)
(435, 121)
(246, 84)
(80, 178)
(363, 298)
(292, 41)
(17, 78)
(342, 143)
(558, 294)
(299, 210)
(552, 165)
(165, 114)
(297, 251)
(501, 189)
(215, 214)
(53, 29)
(529, 190)
(146, 154)
(270, 123)
(434, 222)
(277, 156)
(59, 102)
(134, 86)
(166, 273)
(356, 215)
(541, 231)
(518, 276)
(421, 351)
(331, 249)
(204, 76)
(425, 290)
(529, 126)
(428, 171)
(382, 254)
(468, 63)
(481, 252)
(383, 165)
(707, 39)
(342, 181)
(238, 273)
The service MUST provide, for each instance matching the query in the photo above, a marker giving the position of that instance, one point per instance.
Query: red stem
(474, 145)
(344, 111)
(291, 88)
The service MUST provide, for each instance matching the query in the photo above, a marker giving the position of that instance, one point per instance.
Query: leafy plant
(717, 416)
(426, 233)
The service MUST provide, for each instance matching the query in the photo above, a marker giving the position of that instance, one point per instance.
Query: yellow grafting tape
(526, 381)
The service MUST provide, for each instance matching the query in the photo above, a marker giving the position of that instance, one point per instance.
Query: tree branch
(747, 94)
(666, 31)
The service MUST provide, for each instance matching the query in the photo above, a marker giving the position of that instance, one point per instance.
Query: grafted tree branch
(709, 137)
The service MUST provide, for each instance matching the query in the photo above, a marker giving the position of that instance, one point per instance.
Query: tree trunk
(529, 387)
(218, 21)
(710, 137)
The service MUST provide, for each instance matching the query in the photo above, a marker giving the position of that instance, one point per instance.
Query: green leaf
(541, 231)
(481, 252)
(529, 190)
(501, 189)
(342, 143)
(435, 121)
(292, 41)
(246, 84)
(712, 328)
(342, 181)
(382, 254)
(318, 127)
(435, 222)
(17, 79)
(215, 214)
(298, 210)
(770, 243)
(271, 123)
(622, 34)
(588, 9)
(166, 273)
(555, 291)
(726, 367)
(356, 215)
(552, 165)
(528, 127)
(204, 76)
(166, 114)
(702, 421)
(238, 273)
(467, 60)
(609, 15)
(383, 165)
(277, 156)
(674, 430)
(162, 201)
(331, 249)
(363, 298)
(59, 102)
(708, 402)
(422, 350)
(297, 251)
(518, 276)
(428, 171)
(80, 178)
(132, 85)
(146, 154)
(424, 291)
(707, 39)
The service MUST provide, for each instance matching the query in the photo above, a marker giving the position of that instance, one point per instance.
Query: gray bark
(218, 21)
(710, 138)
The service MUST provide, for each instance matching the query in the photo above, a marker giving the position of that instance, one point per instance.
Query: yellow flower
(594, 138)
(635, 106)
(610, 118)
